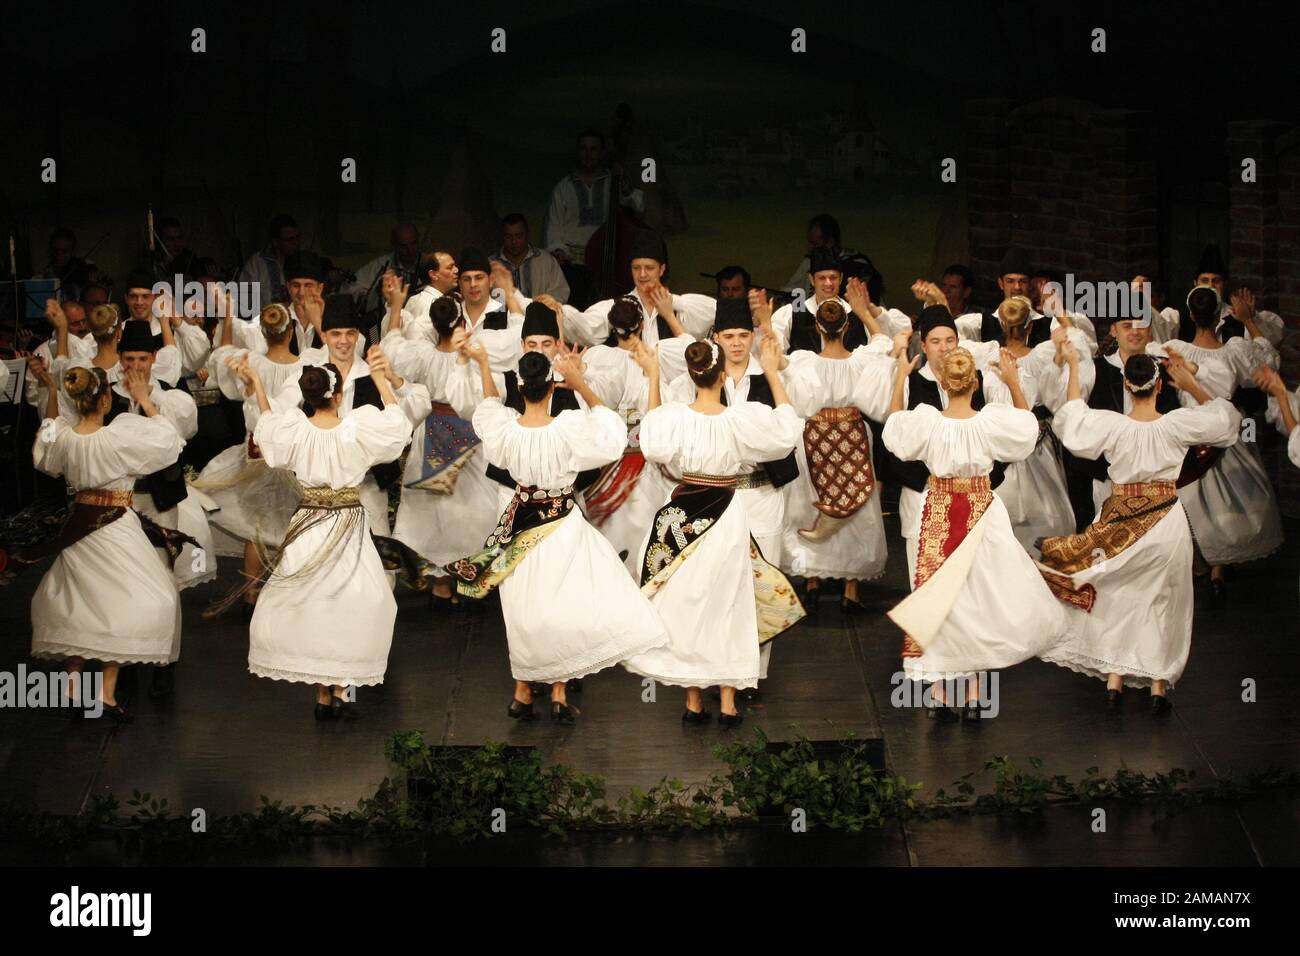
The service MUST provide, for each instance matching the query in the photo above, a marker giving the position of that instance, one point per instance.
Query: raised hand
(857, 296)
(569, 366)
(1243, 305)
(139, 385)
(1269, 381)
(1181, 376)
(770, 355)
(473, 349)
(662, 299)
(54, 315)
(1007, 366)
(901, 341)
(645, 357)
(313, 310)
(760, 307)
(395, 289)
(501, 277)
(40, 371)
(244, 371)
(379, 365)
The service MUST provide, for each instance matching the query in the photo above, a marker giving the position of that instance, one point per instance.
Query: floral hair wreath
(714, 347)
(329, 393)
(1143, 386)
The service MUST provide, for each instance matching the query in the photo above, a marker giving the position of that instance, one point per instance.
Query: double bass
(609, 250)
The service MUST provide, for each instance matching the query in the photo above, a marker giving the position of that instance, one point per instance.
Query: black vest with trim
(314, 341)
(1040, 330)
(562, 400)
(914, 474)
(366, 392)
(782, 471)
(805, 337)
(497, 320)
(166, 487)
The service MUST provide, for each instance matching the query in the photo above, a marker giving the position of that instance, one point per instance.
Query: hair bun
(958, 371)
(78, 382)
(534, 367)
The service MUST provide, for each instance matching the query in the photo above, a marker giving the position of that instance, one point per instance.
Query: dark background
(451, 136)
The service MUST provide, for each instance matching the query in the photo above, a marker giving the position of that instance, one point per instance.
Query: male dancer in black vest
(304, 276)
(160, 496)
(1014, 279)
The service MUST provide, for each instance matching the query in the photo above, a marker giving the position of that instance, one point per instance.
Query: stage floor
(227, 738)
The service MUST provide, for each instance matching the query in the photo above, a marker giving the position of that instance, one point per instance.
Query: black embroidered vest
(804, 335)
(1040, 330)
(782, 471)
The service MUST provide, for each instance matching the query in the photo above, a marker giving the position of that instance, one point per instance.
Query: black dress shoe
(942, 714)
(810, 602)
(1160, 705)
(344, 709)
(695, 716)
(851, 607)
(972, 711)
(573, 685)
(521, 711)
(562, 713)
(324, 712)
(164, 681)
(749, 694)
(117, 713)
(1114, 699)
(731, 720)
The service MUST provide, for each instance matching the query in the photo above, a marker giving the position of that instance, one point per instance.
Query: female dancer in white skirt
(1034, 490)
(1232, 508)
(833, 527)
(450, 515)
(978, 602)
(256, 502)
(1138, 553)
(325, 614)
(1283, 410)
(729, 600)
(106, 597)
(570, 608)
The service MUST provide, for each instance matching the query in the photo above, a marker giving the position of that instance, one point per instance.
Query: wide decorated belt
(329, 498)
(205, 395)
(1145, 489)
(753, 479)
(845, 414)
(966, 484)
(105, 498)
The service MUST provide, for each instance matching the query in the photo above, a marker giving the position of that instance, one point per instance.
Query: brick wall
(1071, 183)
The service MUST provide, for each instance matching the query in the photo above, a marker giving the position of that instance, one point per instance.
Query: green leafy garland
(458, 793)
